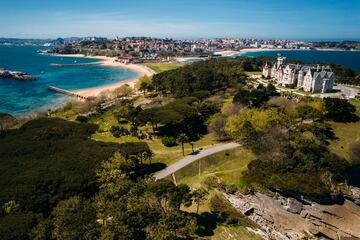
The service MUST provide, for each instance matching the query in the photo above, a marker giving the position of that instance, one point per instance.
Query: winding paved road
(192, 158)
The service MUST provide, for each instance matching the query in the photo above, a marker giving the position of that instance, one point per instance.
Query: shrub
(122, 121)
(117, 131)
(82, 119)
(142, 136)
(169, 141)
(134, 130)
(129, 149)
(17, 226)
(211, 182)
(227, 213)
(340, 110)
(291, 86)
(48, 147)
(217, 127)
(201, 94)
(67, 107)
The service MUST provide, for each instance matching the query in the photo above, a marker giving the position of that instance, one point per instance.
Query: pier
(74, 64)
(66, 92)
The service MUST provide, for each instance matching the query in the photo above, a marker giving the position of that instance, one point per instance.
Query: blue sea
(20, 98)
(350, 59)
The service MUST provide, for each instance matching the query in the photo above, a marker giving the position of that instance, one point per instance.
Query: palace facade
(306, 77)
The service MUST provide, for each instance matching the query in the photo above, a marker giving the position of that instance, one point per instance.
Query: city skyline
(304, 19)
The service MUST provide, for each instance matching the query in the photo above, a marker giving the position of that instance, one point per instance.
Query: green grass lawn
(228, 166)
(162, 67)
(356, 103)
(346, 133)
(167, 155)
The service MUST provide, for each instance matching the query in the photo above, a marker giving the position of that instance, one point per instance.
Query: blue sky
(292, 19)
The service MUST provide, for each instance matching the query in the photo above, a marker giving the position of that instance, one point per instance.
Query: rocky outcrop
(6, 121)
(290, 204)
(286, 218)
(15, 75)
(355, 195)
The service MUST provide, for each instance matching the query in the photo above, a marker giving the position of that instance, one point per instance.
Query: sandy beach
(108, 61)
(229, 53)
(143, 70)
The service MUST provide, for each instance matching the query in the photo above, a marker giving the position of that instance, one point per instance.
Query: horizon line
(357, 39)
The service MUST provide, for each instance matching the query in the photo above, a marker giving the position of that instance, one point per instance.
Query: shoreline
(141, 70)
(231, 53)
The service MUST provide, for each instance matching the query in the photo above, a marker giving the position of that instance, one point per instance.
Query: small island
(15, 75)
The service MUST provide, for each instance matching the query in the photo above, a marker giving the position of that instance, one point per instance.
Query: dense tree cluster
(212, 75)
(340, 110)
(124, 208)
(296, 161)
(118, 131)
(208, 76)
(168, 141)
(43, 148)
(49, 160)
(346, 75)
(292, 153)
(251, 120)
(217, 125)
(290, 141)
(66, 49)
(347, 45)
(255, 97)
(53, 190)
(185, 115)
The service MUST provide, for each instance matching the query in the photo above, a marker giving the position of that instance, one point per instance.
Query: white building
(307, 78)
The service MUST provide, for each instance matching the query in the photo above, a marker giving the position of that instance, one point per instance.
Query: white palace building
(308, 78)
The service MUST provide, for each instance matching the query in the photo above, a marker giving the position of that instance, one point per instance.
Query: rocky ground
(286, 218)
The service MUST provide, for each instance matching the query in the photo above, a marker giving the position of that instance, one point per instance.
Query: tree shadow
(147, 169)
(352, 176)
(207, 223)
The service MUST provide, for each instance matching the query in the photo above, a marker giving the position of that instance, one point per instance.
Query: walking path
(192, 158)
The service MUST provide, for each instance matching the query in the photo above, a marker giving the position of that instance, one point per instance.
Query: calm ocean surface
(346, 58)
(24, 97)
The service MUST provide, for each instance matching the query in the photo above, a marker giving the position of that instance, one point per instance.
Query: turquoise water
(24, 97)
(346, 58)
